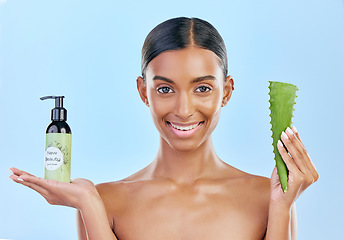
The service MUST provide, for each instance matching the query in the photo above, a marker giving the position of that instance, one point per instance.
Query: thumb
(274, 180)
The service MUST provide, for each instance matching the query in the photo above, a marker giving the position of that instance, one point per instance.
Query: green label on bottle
(57, 156)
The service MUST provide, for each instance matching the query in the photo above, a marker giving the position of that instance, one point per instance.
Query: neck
(185, 166)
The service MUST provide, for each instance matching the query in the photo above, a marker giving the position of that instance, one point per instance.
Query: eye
(203, 89)
(164, 90)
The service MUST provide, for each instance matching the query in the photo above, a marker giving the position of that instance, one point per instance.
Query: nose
(184, 106)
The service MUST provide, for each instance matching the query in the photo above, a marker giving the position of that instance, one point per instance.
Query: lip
(184, 124)
(184, 133)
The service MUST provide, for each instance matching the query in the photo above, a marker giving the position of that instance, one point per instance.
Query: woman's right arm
(80, 194)
(92, 221)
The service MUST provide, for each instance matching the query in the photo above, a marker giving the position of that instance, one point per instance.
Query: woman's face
(185, 90)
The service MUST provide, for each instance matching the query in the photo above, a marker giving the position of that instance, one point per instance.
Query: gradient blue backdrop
(89, 51)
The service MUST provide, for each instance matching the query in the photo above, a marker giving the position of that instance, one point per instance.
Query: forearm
(279, 223)
(95, 219)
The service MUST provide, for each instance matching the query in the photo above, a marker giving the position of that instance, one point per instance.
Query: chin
(184, 145)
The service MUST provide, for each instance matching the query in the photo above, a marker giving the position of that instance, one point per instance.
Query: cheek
(210, 106)
(159, 107)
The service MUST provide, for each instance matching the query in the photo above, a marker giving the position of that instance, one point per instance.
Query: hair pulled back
(179, 33)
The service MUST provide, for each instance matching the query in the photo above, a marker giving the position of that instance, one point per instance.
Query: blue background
(89, 51)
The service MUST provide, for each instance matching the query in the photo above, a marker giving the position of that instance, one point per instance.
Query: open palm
(55, 192)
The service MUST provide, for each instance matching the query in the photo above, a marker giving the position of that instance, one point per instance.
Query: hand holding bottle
(75, 194)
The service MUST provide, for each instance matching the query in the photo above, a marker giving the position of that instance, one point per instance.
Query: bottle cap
(59, 113)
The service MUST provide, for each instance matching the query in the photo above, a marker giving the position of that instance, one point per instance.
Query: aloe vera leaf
(282, 100)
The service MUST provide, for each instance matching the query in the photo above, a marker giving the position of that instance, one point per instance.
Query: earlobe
(142, 89)
(227, 90)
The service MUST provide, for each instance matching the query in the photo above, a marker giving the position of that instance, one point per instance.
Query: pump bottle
(57, 156)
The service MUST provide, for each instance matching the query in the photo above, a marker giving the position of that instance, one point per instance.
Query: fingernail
(289, 130)
(284, 135)
(280, 143)
(294, 129)
(11, 171)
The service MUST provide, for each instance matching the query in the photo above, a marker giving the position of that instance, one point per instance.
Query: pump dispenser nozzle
(58, 113)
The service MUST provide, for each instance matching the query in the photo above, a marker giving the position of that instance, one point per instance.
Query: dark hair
(179, 33)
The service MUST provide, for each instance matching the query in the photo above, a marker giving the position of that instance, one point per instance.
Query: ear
(227, 90)
(142, 89)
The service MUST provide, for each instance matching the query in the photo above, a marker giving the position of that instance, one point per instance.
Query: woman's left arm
(302, 173)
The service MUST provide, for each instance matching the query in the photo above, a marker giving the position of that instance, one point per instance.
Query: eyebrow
(198, 79)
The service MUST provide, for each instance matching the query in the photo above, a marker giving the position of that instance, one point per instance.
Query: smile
(184, 130)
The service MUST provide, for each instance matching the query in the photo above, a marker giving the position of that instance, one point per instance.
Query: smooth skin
(187, 192)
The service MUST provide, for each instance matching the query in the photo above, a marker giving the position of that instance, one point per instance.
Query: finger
(274, 175)
(19, 172)
(274, 180)
(295, 149)
(35, 187)
(294, 130)
(44, 183)
(299, 156)
(292, 167)
(308, 162)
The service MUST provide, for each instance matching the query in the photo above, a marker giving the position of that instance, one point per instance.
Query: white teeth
(187, 128)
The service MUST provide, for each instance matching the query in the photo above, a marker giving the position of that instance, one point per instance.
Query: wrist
(281, 204)
(279, 209)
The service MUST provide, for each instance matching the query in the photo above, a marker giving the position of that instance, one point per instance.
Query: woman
(187, 192)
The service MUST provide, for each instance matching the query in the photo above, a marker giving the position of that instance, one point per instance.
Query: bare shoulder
(111, 194)
(259, 186)
(117, 187)
(235, 173)
(115, 194)
(254, 185)
(256, 182)
(109, 188)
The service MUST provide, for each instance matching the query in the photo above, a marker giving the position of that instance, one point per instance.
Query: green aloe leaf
(282, 100)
